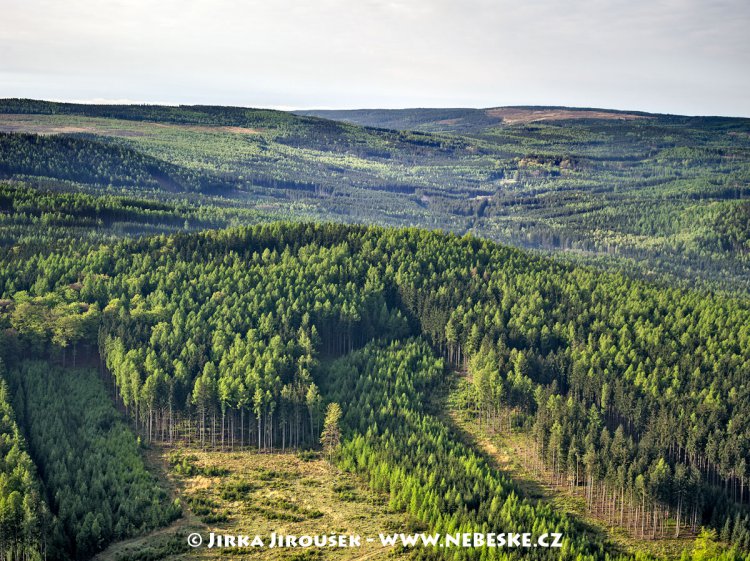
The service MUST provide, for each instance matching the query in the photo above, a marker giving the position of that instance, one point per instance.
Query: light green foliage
(225, 337)
(23, 514)
(330, 438)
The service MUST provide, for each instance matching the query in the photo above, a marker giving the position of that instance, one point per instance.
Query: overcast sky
(676, 56)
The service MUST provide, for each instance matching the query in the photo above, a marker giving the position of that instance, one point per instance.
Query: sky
(671, 56)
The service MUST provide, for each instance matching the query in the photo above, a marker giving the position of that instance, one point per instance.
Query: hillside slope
(657, 195)
(465, 120)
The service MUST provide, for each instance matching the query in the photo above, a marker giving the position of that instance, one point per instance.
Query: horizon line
(294, 109)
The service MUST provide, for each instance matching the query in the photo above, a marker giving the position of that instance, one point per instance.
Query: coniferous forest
(216, 282)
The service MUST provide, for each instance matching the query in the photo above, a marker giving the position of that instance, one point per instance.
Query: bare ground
(289, 494)
(52, 124)
(519, 115)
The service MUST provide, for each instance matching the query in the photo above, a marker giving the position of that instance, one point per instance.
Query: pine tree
(330, 438)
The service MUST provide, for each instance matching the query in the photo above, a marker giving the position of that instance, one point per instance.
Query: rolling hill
(204, 317)
(662, 195)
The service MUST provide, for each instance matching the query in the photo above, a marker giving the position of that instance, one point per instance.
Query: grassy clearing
(251, 493)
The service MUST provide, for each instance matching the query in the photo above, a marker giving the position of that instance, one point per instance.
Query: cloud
(664, 55)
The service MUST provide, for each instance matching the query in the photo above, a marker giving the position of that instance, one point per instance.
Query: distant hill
(453, 120)
(466, 120)
(654, 193)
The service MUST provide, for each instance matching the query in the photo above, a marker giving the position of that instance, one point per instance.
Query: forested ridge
(662, 196)
(37, 222)
(632, 390)
(129, 262)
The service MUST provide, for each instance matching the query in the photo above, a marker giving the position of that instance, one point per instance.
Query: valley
(661, 195)
(247, 321)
